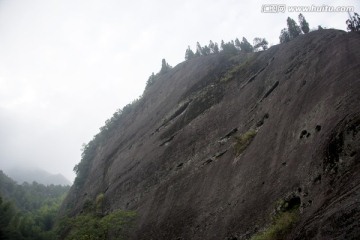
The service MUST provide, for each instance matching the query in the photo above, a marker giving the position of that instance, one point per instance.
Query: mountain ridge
(21, 175)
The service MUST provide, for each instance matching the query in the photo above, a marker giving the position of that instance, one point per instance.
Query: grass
(286, 215)
(243, 141)
(280, 226)
(238, 69)
(229, 75)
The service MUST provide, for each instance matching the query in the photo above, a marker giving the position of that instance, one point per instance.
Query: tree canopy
(245, 46)
(231, 47)
(353, 23)
(303, 24)
(260, 43)
(28, 211)
(293, 30)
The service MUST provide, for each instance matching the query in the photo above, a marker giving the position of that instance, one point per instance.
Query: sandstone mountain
(220, 143)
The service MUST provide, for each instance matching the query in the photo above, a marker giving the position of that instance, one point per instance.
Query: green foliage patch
(280, 226)
(96, 227)
(93, 224)
(243, 141)
(28, 211)
(285, 217)
(239, 69)
(82, 169)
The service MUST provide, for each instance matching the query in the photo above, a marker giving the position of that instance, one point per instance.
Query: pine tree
(353, 23)
(237, 44)
(260, 43)
(205, 50)
(165, 67)
(293, 28)
(189, 54)
(211, 46)
(197, 53)
(150, 80)
(246, 46)
(198, 49)
(284, 36)
(303, 24)
(222, 45)
(216, 48)
(229, 48)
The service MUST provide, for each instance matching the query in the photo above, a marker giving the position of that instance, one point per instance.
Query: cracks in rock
(167, 141)
(252, 78)
(270, 90)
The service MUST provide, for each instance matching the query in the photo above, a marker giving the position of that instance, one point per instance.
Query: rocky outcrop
(293, 110)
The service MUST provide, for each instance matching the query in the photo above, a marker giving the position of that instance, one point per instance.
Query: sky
(67, 65)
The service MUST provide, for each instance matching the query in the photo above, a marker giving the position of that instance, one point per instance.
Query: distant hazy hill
(38, 175)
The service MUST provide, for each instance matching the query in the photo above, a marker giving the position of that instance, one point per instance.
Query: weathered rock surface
(173, 159)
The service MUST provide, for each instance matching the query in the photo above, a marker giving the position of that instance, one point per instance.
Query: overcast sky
(67, 65)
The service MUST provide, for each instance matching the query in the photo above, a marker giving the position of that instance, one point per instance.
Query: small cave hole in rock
(293, 203)
(260, 123)
(318, 128)
(317, 179)
(180, 165)
(299, 189)
(303, 134)
(262, 120)
(284, 163)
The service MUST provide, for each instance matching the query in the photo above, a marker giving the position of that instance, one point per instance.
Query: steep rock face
(177, 159)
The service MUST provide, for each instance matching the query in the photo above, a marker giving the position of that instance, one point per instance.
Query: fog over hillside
(30, 175)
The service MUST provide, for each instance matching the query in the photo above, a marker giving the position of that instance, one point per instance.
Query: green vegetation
(28, 211)
(303, 24)
(285, 218)
(231, 48)
(150, 80)
(229, 75)
(93, 224)
(241, 69)
(165, 67)
(243, 141)
(260, 43)
(281, 225)
(293, 30)
(245, 46)
(82, 169)
(189, 54)
(353, 23)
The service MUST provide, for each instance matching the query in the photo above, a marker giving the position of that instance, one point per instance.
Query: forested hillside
(28, 211)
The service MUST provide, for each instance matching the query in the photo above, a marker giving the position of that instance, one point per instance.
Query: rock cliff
(218, 144)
